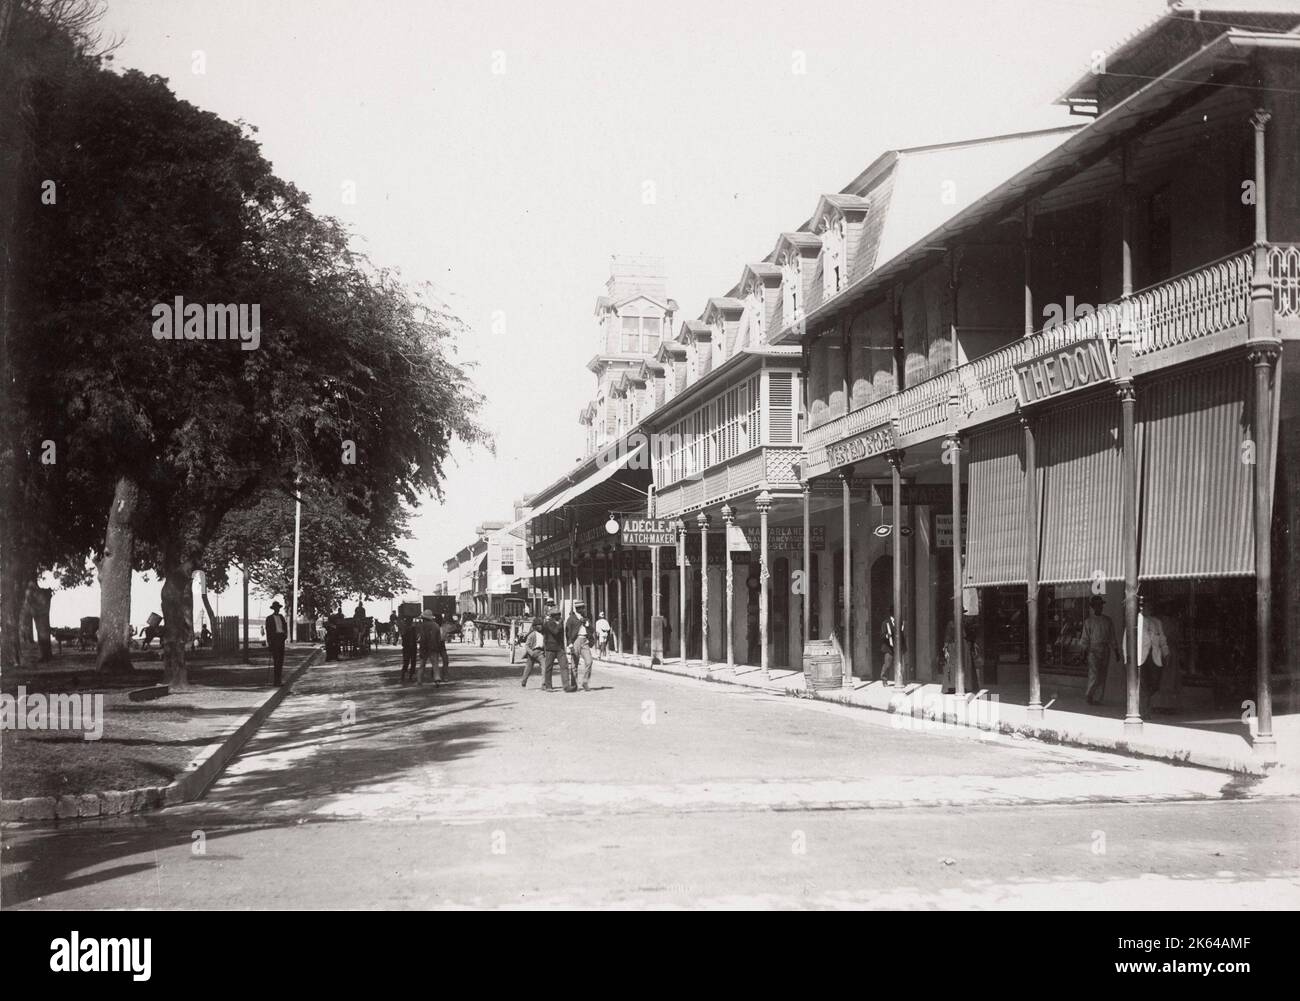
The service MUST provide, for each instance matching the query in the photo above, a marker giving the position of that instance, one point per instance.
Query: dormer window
(833, 255)
(791, 301)
(755, 307)
(641, 334)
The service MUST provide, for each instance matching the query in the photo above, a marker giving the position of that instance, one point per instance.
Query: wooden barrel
(822, 666)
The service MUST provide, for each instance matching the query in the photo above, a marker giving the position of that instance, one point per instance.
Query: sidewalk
(149, 754)
(1100, 728)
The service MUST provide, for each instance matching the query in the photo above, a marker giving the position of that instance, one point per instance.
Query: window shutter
(780, 408)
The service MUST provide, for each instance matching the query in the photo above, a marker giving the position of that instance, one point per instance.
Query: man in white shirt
(602, 634)
(1153, 652)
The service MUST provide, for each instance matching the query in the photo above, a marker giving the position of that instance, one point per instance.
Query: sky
(503, 151)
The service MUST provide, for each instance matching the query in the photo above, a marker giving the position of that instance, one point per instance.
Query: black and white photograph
(652, 456)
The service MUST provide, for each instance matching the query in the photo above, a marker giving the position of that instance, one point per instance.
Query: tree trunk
(36, 610)
(178, 621)
(26, 623)
(115, 580)
(12, 576)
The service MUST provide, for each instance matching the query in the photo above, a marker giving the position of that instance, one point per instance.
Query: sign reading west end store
(1065, 370)
(648, 532)
(877, 441)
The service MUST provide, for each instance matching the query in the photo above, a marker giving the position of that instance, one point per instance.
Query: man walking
(531, 641)
(410, 634)
(277, 633)
(552, 647)
(1099, 641)
(430, 640)
(892, 645)
(577, 636)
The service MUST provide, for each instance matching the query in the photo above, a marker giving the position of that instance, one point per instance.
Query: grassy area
(143, 743)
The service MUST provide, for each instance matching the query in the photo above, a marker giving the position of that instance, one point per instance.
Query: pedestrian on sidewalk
(277, 632)
(1099, 642)
(410, 637)
(532, 642)
(892, 645)
(553, 647)
(577, 633)
(602, 635)
(1153, 652)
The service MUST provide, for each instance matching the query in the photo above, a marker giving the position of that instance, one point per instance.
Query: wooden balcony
(766, 466)
(1168, 320)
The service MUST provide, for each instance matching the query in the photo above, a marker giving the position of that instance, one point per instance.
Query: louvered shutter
(780, 408)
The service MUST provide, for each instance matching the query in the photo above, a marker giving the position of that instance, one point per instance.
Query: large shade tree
(348, 381)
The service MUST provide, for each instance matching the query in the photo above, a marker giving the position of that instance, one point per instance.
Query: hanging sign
(648, 532)
(877, 441)
(1063, 371)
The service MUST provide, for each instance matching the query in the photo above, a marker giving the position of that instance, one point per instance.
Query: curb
(911, 703)
(192, 783)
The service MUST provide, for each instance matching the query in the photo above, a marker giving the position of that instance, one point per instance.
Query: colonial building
(982, 384)
(491, 577)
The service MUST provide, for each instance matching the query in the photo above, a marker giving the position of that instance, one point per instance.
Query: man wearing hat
(553, 647)
(277, 634)
(1099, 641)
(577, 634)
(431, 645)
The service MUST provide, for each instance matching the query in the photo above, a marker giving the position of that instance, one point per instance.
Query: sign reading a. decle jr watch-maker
(877, 441)
(648, 532)
(1065, 370)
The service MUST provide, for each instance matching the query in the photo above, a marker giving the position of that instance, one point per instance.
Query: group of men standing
(425, 638)
(551, 638)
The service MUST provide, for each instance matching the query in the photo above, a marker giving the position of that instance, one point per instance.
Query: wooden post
(702, 520)
(1265, 347)
(895, 469)
(764, 506)
(1128, 501)
(1035, 708)
(846, 495)
(952, 456)
(808, 582)
(729, 520)
(681, 589)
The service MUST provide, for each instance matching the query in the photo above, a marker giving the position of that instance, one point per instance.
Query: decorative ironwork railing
(1205, 301)
(1284, 270)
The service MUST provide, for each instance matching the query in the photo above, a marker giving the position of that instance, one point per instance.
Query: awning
(1196, 481)
(590, 482)
(1080, 464)
(995, 550)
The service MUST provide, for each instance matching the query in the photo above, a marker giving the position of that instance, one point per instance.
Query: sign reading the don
(875, 442)
(648, 532)
(1075, 366)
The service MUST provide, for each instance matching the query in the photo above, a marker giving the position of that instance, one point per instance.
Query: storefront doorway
(779, 618)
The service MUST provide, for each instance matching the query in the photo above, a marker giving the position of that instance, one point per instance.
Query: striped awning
(1080, 464)
(1196, 481)
(995, 550)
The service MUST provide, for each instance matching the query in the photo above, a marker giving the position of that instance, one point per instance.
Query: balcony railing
(773, 465)
(1205, 301)
(1208, 300)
